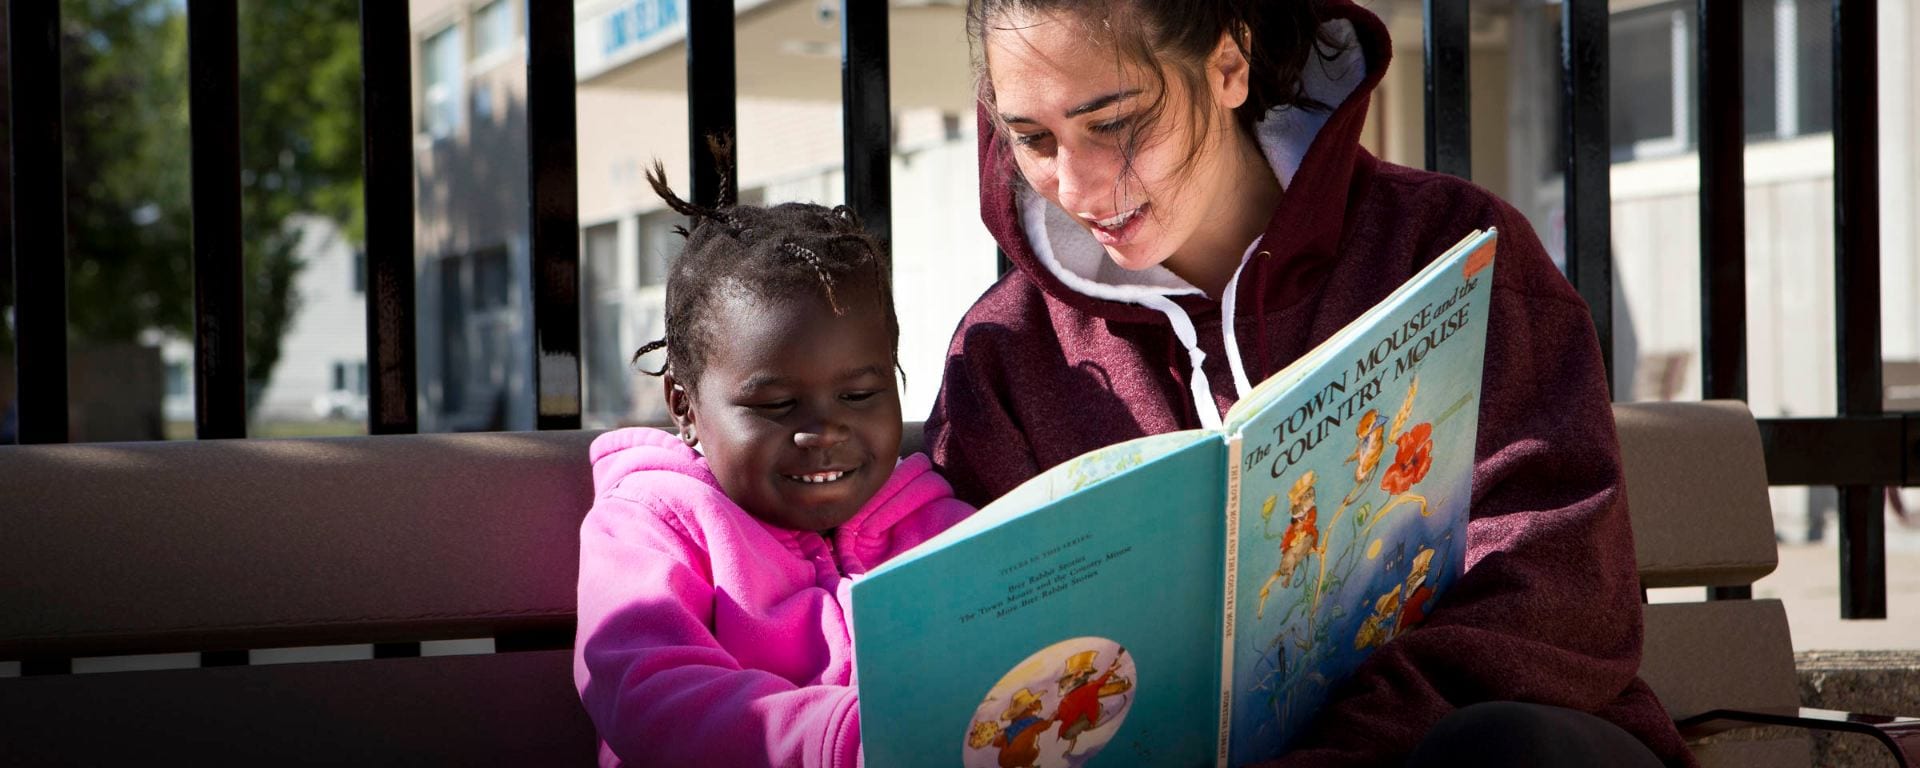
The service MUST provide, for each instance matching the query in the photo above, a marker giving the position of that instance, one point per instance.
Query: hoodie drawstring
(1197, 383)
(1232, 342)
(1183, 329)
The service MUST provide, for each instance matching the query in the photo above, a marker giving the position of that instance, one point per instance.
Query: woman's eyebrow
(1102, 103)
(1095, 105)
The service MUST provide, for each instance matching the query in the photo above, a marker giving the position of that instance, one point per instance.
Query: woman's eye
(1030, 139)
(1110, 126)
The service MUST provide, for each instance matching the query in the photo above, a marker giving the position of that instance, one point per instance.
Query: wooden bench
(1697, 491)
(223, 546)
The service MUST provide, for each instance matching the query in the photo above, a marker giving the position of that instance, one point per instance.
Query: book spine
(1229, 601)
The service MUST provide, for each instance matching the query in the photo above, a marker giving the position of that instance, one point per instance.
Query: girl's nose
(821, 436)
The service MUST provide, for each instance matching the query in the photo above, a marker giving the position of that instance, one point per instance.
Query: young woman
(1182, 189)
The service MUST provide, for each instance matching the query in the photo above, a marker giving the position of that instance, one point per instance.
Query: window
(1650, 71)
(442, 80)
(601, 257)
(493, 29)
(359, 270)
(658, 245)
(1787, 67)
(350, 377)
(491, 286)
(177, 381)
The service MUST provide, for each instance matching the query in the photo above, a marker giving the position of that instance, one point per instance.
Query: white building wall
(329, 327)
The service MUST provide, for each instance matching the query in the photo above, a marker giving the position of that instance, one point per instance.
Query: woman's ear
(1228, 71)
(680, 408)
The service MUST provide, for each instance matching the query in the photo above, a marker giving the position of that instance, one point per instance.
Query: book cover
(1191, 598)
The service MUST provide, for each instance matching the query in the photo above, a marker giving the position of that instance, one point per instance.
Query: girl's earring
(687, 436)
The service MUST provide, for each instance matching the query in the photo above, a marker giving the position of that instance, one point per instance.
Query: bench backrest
(216, 545)
(1697, 491)
(205, 546)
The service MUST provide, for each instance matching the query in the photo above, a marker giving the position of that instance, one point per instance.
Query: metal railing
(1861, 450)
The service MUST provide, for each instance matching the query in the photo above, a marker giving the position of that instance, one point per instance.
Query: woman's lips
(1120, 228)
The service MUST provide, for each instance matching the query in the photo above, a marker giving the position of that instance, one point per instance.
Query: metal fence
(1862, 450)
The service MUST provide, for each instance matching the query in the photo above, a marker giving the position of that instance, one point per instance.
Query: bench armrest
(1900, 734)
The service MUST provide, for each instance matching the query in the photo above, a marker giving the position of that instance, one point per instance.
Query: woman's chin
(1133, 257)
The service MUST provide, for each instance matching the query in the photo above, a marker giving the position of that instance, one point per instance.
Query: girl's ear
(680, 408)
(1227, 72)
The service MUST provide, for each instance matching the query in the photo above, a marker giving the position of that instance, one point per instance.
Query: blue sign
(639, 20)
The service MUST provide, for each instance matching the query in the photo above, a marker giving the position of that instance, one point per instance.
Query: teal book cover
(1191, 598)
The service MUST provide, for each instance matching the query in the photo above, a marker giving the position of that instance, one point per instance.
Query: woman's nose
(1083, 182)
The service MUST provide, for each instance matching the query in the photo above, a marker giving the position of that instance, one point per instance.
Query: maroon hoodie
(1069, 353)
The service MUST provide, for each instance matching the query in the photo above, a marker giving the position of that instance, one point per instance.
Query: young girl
(714, 589)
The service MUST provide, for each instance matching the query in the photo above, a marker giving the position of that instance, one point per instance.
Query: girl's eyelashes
(859, 397)
(776, 406)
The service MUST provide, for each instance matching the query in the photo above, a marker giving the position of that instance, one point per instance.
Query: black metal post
(220, 380)
(552, 152)
(867, 114)
(1589, 243)
(1723, 206)
(1856, 281)
(1449, 130)
(39, 219)
(711, 86)
(386, 88)
(1723, 214)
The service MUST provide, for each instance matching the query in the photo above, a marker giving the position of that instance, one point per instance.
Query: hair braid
(770, 252)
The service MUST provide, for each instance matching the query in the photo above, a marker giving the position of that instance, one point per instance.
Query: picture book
(1192, 598)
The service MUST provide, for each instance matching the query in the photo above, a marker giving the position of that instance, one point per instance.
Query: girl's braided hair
(766, 252)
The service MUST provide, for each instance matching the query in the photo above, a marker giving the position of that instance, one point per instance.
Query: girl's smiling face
(796, 407)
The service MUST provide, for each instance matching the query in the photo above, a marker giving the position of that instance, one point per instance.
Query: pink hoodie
(707, 637)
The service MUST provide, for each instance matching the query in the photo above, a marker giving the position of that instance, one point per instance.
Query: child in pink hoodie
(714, 589)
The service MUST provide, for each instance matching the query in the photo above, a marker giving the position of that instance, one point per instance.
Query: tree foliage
(124, 69)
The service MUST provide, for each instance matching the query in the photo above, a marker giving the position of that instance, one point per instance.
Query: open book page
(1086, 625)
(1353, 500)
(1065, 479)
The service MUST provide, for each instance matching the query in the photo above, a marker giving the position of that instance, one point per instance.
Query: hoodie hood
(1313, 153)
(636, 451)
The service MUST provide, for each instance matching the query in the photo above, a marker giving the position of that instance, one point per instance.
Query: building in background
(322, 371)
(470, 122)
(631, 67)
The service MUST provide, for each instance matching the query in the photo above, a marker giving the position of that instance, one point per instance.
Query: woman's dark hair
(1278, 37)
(766, 252)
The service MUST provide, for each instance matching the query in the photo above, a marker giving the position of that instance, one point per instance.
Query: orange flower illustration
(1479, 260)
(1411, 459)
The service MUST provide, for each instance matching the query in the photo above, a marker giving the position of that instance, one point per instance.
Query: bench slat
(1697, 490)
(160, 547)
(509, 709)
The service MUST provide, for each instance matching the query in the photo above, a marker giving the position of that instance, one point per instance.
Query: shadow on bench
(226, 546)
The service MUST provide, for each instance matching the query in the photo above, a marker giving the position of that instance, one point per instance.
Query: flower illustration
(1411, 459)
(1372, 444)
